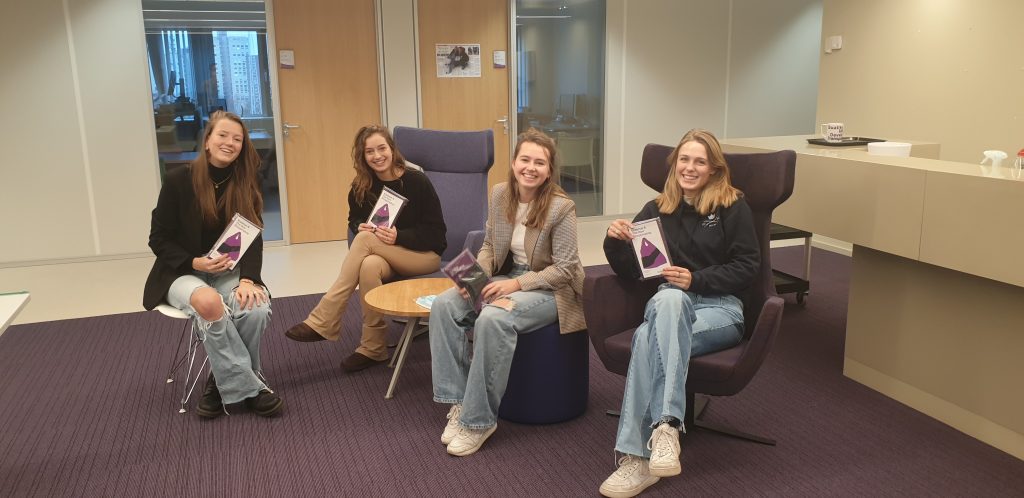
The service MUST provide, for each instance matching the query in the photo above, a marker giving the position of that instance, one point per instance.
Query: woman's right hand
(367, 227)
(621, 229)
(214, 265)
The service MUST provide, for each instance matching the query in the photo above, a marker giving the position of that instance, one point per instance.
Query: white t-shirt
(519, 235)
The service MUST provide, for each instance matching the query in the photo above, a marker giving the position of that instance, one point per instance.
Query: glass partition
(560, 88)
(206, 56)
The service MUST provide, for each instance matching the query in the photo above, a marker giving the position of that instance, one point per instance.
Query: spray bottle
(995, 157)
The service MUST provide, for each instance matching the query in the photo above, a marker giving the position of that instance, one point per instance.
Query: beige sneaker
(664, 446)
(631, 478)
(467, 440)
(452, 427)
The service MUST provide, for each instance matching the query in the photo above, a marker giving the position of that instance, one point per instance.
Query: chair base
(695, 410)
(549, 379)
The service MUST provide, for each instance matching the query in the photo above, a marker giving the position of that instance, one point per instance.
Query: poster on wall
(457, 60)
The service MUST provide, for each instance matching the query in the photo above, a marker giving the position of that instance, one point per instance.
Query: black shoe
(210, 405)
(265, 404)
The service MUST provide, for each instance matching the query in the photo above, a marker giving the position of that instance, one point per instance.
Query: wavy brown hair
(538, 210)
(242, 194)
(364, 174)
(718, 192)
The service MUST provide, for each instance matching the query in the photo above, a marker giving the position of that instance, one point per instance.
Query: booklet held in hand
(467, 273)
(236, 238)
(649, 247)
(385, 211)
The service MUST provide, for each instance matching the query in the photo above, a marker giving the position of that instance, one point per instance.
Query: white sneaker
(467, 440)
(452, 427)
(664, 446)
(631, 478)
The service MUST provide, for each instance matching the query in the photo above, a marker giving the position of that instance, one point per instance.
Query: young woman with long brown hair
(412, 247)
(231, 307)
(536, 279)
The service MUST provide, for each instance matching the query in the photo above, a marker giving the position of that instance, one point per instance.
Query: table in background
(399, 299)
(10, 305)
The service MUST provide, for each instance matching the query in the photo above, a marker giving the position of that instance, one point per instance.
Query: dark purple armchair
(614, 306)
(457, 163)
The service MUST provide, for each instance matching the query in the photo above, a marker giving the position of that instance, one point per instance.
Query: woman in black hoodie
(710, 238)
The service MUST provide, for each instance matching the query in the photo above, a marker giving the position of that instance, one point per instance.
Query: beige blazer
(551, 250)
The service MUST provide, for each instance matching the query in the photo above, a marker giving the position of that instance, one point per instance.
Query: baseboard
(952, 415)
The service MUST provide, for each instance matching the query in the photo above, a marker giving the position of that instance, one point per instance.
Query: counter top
(946, 213)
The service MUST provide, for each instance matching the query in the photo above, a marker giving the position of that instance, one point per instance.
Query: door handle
(504, 123)
(288, 127)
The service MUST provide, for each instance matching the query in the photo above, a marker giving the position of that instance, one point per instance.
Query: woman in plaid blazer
(536, 279)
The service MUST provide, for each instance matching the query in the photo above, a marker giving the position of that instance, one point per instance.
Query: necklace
(216, 185)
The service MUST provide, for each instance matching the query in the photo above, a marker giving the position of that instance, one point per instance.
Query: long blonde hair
(364, 174)
(242, 194)
(718, 192)
(542, 202)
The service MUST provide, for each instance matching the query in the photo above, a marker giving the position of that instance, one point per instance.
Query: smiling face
(379, 157)
(693, 171)
(224, 143)
(532, 167)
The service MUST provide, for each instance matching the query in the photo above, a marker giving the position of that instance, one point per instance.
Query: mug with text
(832, 132)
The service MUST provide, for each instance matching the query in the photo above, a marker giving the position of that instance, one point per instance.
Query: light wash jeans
(479, 383)
(233, 342)
(677, 326)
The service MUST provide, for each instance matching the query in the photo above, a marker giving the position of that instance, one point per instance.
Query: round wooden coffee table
(399, 299)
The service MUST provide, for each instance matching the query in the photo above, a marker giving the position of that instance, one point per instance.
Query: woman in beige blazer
(530, 254)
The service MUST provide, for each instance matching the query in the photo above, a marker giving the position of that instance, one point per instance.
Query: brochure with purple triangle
(649, 246)
(385, 211)
(236, 238)
(467, 273)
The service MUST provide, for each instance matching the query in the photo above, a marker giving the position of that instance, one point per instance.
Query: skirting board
(952, 415)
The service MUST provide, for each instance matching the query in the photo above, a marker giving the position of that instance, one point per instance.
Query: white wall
(736, 68)
(80, 172)
(401, 90)
(950, 72)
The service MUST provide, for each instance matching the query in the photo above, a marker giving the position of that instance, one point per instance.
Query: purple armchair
(614, 307)
(457, 163)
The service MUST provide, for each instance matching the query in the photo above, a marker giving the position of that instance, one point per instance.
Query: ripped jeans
(233, 342)
(479, 382)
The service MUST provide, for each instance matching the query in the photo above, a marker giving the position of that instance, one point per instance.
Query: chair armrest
(613, 305)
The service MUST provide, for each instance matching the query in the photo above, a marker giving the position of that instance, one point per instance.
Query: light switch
(835, 42)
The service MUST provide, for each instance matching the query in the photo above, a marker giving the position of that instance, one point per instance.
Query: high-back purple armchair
(457, 163)
(614, 307)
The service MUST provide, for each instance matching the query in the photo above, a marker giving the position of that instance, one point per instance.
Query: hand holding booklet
(467, 273)
(649, 247)
(385, 211)
(235, 240)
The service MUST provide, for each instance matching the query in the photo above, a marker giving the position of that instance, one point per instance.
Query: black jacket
(420, 225)
(175, 236)
(720, 249)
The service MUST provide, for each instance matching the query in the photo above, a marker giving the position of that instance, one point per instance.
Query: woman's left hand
(249, 295)
(387, 235)
(677, 276)
(500, 288)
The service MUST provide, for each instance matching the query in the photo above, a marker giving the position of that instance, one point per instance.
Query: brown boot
(358, 361)
(303, 333)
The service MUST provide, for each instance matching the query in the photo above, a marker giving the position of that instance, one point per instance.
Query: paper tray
(847, 141)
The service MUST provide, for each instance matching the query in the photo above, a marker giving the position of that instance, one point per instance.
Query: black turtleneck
(221, 178)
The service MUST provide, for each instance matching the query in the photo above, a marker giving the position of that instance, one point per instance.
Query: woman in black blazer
(230, 305)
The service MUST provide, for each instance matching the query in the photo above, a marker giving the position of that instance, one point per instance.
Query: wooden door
(332, 91)
(467, 103)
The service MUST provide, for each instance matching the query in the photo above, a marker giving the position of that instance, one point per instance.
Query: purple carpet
(84, 411)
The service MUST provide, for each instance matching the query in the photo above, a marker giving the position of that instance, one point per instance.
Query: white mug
(832, 132)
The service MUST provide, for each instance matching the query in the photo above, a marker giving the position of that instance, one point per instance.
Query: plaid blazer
(551, 251)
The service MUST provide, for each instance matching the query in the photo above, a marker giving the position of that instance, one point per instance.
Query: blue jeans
(479, 383)
(233, 342)
(677, 326)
